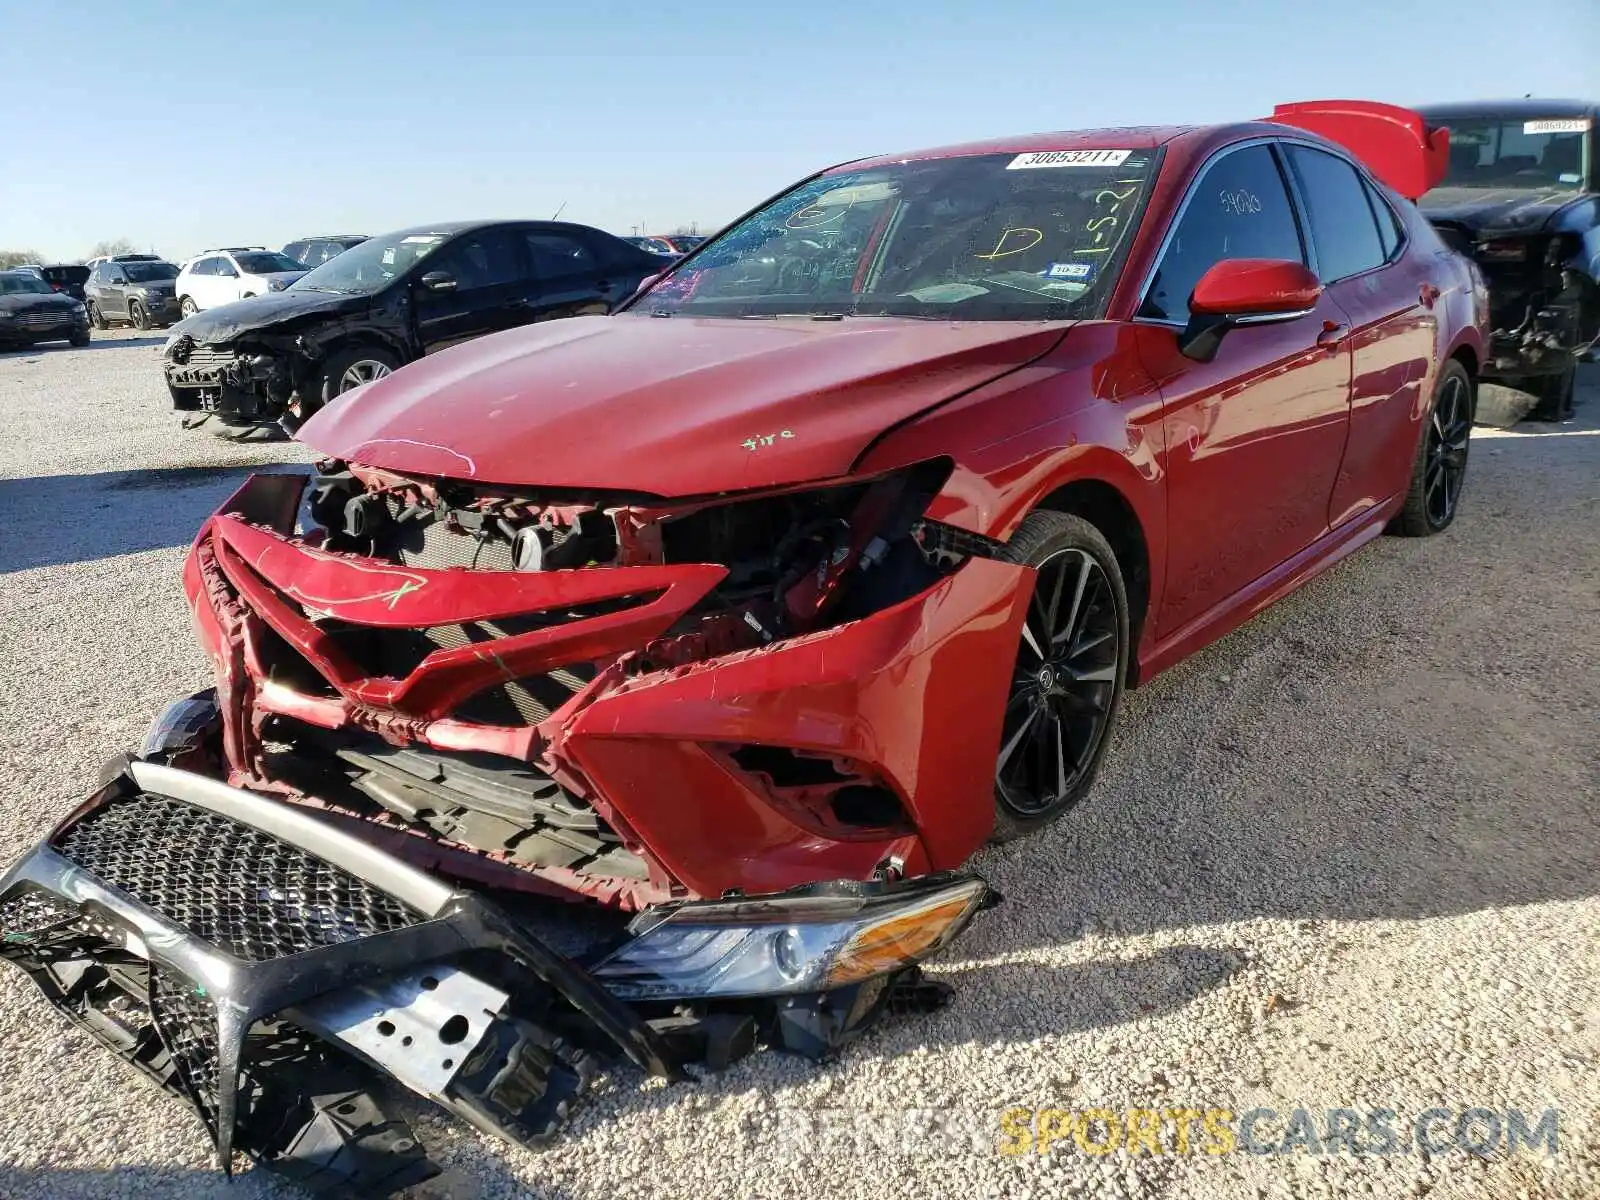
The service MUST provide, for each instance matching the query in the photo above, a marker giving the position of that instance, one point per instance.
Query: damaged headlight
(800, 942)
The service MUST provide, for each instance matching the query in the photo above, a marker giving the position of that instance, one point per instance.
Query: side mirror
(438, 281)
(1245, 291)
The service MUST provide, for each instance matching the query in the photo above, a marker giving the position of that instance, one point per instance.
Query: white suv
(223, 276)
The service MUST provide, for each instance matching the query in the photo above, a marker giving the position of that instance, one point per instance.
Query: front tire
(1556, 394)
(79, 340)
(1072, 663)
(138, 315)
(352, 367)
(1441, 463)
(188, 307)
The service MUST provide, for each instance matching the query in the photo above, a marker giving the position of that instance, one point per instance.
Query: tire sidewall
(341, 360)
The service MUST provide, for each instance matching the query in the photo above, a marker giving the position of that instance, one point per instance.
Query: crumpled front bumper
(280, 975)
(905, 703)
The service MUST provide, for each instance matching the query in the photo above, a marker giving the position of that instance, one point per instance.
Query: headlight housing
(276, 285)
(796, 942)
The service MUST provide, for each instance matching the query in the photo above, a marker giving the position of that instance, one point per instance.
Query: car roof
(1526, 107)
(1138, 137)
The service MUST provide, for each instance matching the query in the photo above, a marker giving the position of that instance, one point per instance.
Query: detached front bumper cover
(279, 975)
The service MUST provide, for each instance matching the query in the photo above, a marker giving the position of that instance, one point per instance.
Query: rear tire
(1072, 664)
(96, 318)
(1440, 468)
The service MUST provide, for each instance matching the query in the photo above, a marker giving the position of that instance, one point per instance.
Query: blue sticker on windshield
(1076, 272)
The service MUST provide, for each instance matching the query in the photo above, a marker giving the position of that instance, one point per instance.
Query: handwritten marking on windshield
(762, 440)
(1104, 227)
(1000, 250)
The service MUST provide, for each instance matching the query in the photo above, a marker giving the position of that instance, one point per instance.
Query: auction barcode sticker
(1570, 125)
(1068, 158)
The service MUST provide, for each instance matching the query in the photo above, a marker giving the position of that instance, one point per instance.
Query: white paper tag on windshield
(1573, 125)
(1068, 158)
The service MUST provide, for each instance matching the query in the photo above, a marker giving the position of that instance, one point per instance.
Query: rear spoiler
(1397, 144)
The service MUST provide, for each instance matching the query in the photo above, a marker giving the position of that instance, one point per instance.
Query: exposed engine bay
(790, 563)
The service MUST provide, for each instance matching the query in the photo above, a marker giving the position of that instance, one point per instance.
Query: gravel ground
(1348, 858)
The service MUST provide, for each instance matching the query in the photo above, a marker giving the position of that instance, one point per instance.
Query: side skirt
(1238, 608)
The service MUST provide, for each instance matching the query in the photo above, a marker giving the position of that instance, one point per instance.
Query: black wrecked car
(1522, 198)
(390, 300)
(30, 311)
(140, 292)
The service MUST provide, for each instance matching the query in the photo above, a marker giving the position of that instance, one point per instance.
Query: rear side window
(299, 251)
(1239, 208)
(1343, 228)
(557, 254)
(1389, 231)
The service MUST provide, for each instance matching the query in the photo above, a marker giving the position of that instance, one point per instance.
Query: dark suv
(140, 292)
(1522, 199)
(315, 251)
(388, 301)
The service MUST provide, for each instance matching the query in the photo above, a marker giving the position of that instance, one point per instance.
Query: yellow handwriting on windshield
(1003, 248)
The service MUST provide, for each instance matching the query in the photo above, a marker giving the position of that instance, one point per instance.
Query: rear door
(569, 275)
(1388, 312)
(201, 285)
(489, 271)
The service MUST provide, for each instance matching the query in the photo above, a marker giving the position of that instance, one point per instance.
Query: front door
(1255, 436)
(488, 270)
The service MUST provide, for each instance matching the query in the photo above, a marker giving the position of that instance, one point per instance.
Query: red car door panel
(1254, 439)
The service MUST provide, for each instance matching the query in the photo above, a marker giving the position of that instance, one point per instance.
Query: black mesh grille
(233, 886)
(187, 1021)
(33, 912)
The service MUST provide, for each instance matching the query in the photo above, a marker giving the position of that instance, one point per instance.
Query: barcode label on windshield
(1068, 158)
(1576, 125)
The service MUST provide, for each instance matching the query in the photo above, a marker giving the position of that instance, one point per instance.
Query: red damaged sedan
(752, 611)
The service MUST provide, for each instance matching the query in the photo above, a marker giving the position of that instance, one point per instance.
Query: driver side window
(1239, 208)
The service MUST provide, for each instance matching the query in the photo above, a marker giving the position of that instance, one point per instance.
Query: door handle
(1333, 335)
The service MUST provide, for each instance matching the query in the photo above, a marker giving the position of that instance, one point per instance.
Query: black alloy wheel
(1434, 494)
(1067, 682)
(138, 315)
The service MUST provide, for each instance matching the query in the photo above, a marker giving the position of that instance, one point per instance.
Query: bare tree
(11, 258)
(114, 246)
(692, 229)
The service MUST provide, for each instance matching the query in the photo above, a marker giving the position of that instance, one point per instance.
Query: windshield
(988, 237)
(16, 283)
(1549, 153)
(365, 268)
(149, 272)
(265, 262)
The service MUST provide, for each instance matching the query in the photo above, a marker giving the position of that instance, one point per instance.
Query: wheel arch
(1104, 506)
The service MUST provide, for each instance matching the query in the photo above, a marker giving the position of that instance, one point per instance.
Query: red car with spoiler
(641, 685)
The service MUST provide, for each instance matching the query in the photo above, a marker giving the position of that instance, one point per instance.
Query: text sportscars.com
(1175, 1130)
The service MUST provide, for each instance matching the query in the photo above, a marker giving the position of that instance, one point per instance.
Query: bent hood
(667, 406)
(1512, 210)
(228, 321)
